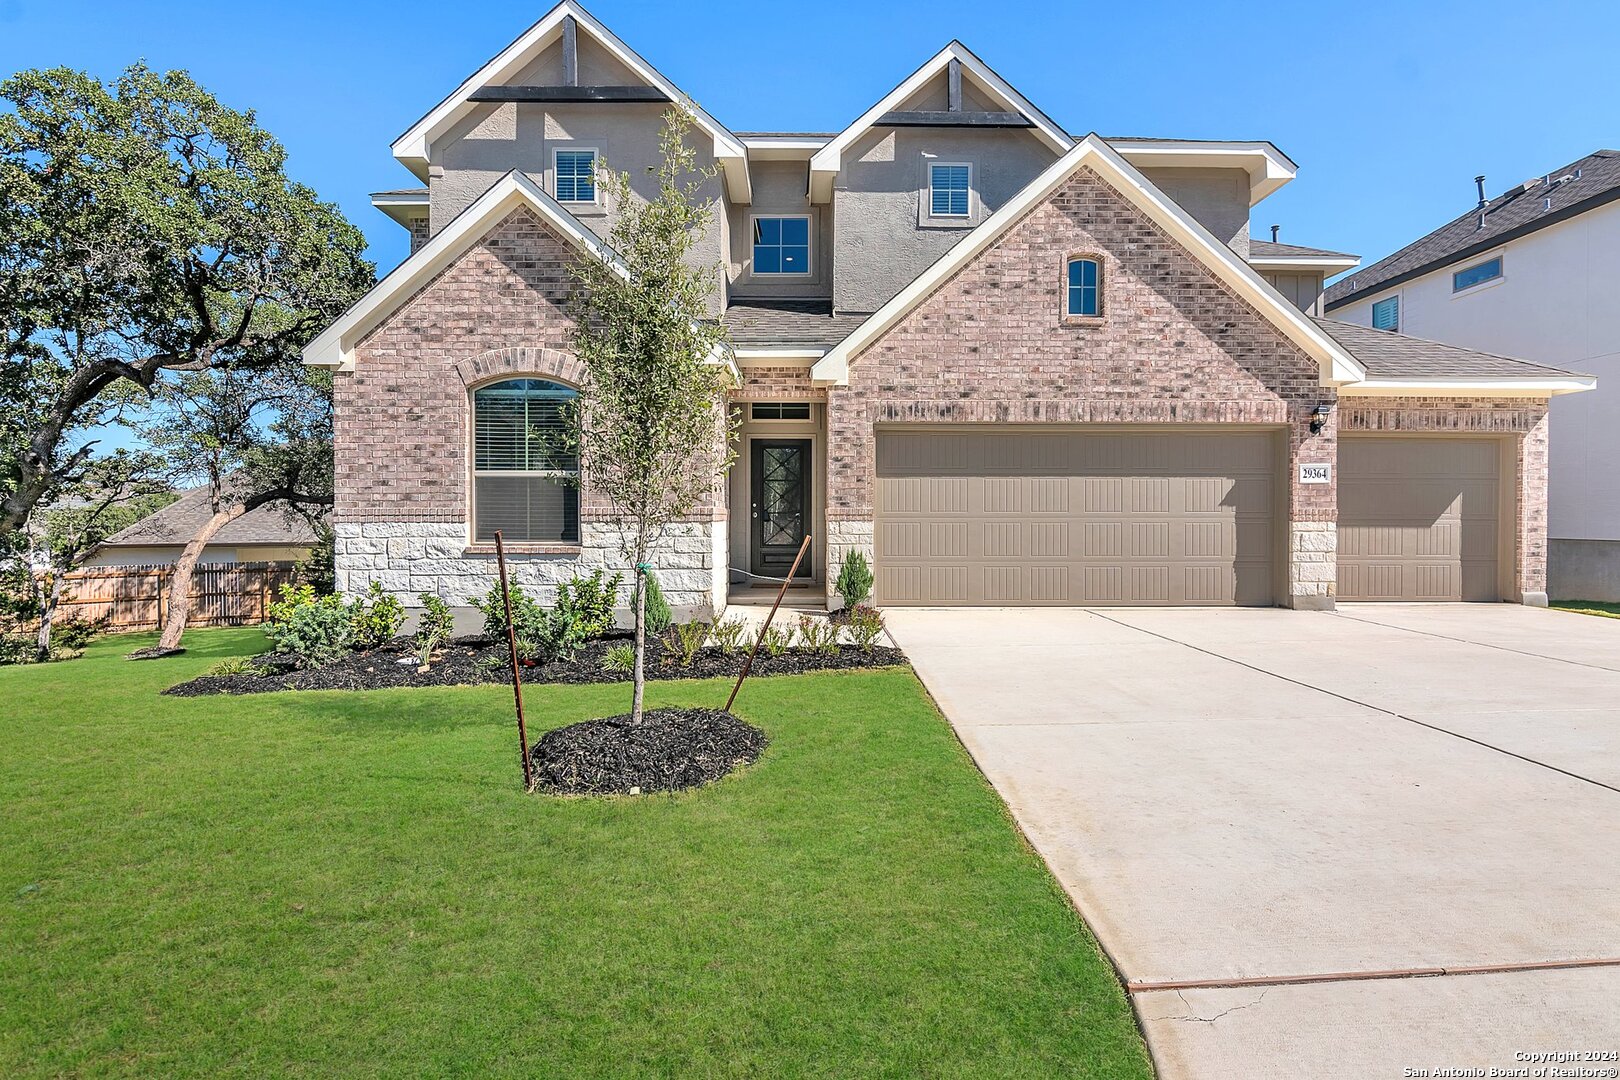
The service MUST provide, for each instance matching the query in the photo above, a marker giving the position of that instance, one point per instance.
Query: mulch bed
(670, 750)
(473, 661)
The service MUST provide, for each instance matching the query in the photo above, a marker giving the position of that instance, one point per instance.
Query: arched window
(1084, 288)
(525, 473)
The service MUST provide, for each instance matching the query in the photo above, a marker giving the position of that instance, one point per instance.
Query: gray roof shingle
(178, 522)
(1388, 355)
(1262, 249)
(763, 322)
(1511, 215)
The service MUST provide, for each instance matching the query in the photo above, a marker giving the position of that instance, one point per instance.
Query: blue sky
(1390, 109)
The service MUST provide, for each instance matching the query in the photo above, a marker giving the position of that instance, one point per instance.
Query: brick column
(1313, 509)
(1530, 521)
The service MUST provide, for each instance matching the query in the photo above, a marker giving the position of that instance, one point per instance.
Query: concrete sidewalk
(1270, 798)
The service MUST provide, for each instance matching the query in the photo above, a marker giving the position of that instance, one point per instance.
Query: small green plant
(75, 632)
(620, 659)
(543, 634)
(293, 597)
(775, 642)
(316, 632)
(236, 665)
(864, 623)
(17, 649)
(432, 628)
(818, 636)
(728, 635)
(591, 600)
(854, 579)
(659, 617)
(683, 640)
(377, 617)
(526, 612)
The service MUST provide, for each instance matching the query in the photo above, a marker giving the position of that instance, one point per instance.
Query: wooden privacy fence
(137, 597)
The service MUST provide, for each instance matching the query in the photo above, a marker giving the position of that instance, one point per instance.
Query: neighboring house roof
(335, 346)
(827, 162)
(1402, 363)
(181, 520)
(411, 148)
(1268, 255)
(1268, 249)
(759, 322)
(1582, 185)
(1337, 365)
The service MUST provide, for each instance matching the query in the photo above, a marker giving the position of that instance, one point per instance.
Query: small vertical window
(1085, 294)
(948, 187)
(1387, 314)
(782, 245)
(576, 176)
(1478, 274)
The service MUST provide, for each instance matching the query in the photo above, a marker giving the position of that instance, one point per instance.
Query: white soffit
(403, 207)
(829, 160)
(335, 346)
(1434, 387)
(1337, 366)
(412, 149)
(1325, 264)
(1267, 167)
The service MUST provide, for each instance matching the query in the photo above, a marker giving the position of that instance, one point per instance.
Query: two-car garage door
(1067, 517)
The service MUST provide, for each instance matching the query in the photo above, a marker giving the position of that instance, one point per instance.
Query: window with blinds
(525, 470)
(576, 176)
(948, 190)
(1386, 314)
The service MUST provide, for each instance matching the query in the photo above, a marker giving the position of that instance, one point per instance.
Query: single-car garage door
(1019, 516)
(1419, 518)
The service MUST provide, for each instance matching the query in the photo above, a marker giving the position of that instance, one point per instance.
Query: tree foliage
(144, 227)
(652, 420)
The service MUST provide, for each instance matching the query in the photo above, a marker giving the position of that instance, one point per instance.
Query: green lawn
(342, 884)
(1589, 607)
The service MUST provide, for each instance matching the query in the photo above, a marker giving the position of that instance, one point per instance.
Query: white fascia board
(413, 148)
(827, 161)
(1337, 366)
(1268, 169)
(786, 355)
(783, 147)
(1328, 266)
(334, 347)
(1436, 387)
(402, 208)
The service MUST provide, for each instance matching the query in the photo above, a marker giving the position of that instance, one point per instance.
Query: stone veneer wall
(1174, 346)
(402, 429)
(1523, 419)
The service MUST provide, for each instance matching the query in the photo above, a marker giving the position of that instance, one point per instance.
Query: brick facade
(778, 382)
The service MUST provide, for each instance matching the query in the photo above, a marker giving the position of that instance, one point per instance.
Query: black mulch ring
(472, 661)
(670, 750)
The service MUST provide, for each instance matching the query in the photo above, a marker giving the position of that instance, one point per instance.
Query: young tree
(653, 432)
(254, 439)
(144, 227)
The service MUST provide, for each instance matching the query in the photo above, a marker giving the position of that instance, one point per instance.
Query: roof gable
(1335, 363)
(412, 148)
(978, 80)
(335, 346)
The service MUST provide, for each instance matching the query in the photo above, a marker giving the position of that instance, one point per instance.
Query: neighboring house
(1534, 273)
(1009, 364)
(263, 535)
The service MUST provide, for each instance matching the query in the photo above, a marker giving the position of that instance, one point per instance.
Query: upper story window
(1386, 314)
(576, 176)
(1084, 288)
(1478, 274)
(948, 187)
(525, 473)
(782, 245)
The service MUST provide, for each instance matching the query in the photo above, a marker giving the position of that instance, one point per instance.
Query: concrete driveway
(1316, 844)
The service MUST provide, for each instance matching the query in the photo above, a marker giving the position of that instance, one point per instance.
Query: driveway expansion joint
(1142, 986)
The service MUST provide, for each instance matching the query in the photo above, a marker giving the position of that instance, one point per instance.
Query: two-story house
(1532, 272)
(1010, 364)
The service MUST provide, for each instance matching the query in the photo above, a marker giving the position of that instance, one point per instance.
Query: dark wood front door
(780, 469)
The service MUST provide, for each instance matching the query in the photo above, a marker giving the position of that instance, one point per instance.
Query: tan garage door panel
(1021, 517)
(1418, 519)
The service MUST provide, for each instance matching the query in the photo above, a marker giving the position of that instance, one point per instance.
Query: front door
(781, 505)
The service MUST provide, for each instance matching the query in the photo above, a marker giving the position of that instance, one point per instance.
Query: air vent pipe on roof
(1275, 229)
(1479, 181)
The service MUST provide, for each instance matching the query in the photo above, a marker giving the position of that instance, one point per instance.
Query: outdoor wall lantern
(1319, 417)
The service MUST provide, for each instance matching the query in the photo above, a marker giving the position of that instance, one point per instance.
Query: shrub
(685, 639)
(659, 617)
(377, 617)
(621, 658)
(432, 628)
(728, 635)
(75, 632)
(775, 641)
(316, 632)
(818, 635)
(526, 611)
(17, 649)
(854, 579)
(542, 635)
(591, 601)
(865, 626)
(292, 598)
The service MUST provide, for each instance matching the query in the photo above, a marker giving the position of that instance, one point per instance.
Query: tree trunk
(639, 675)
(49, 598)
(180, 584)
